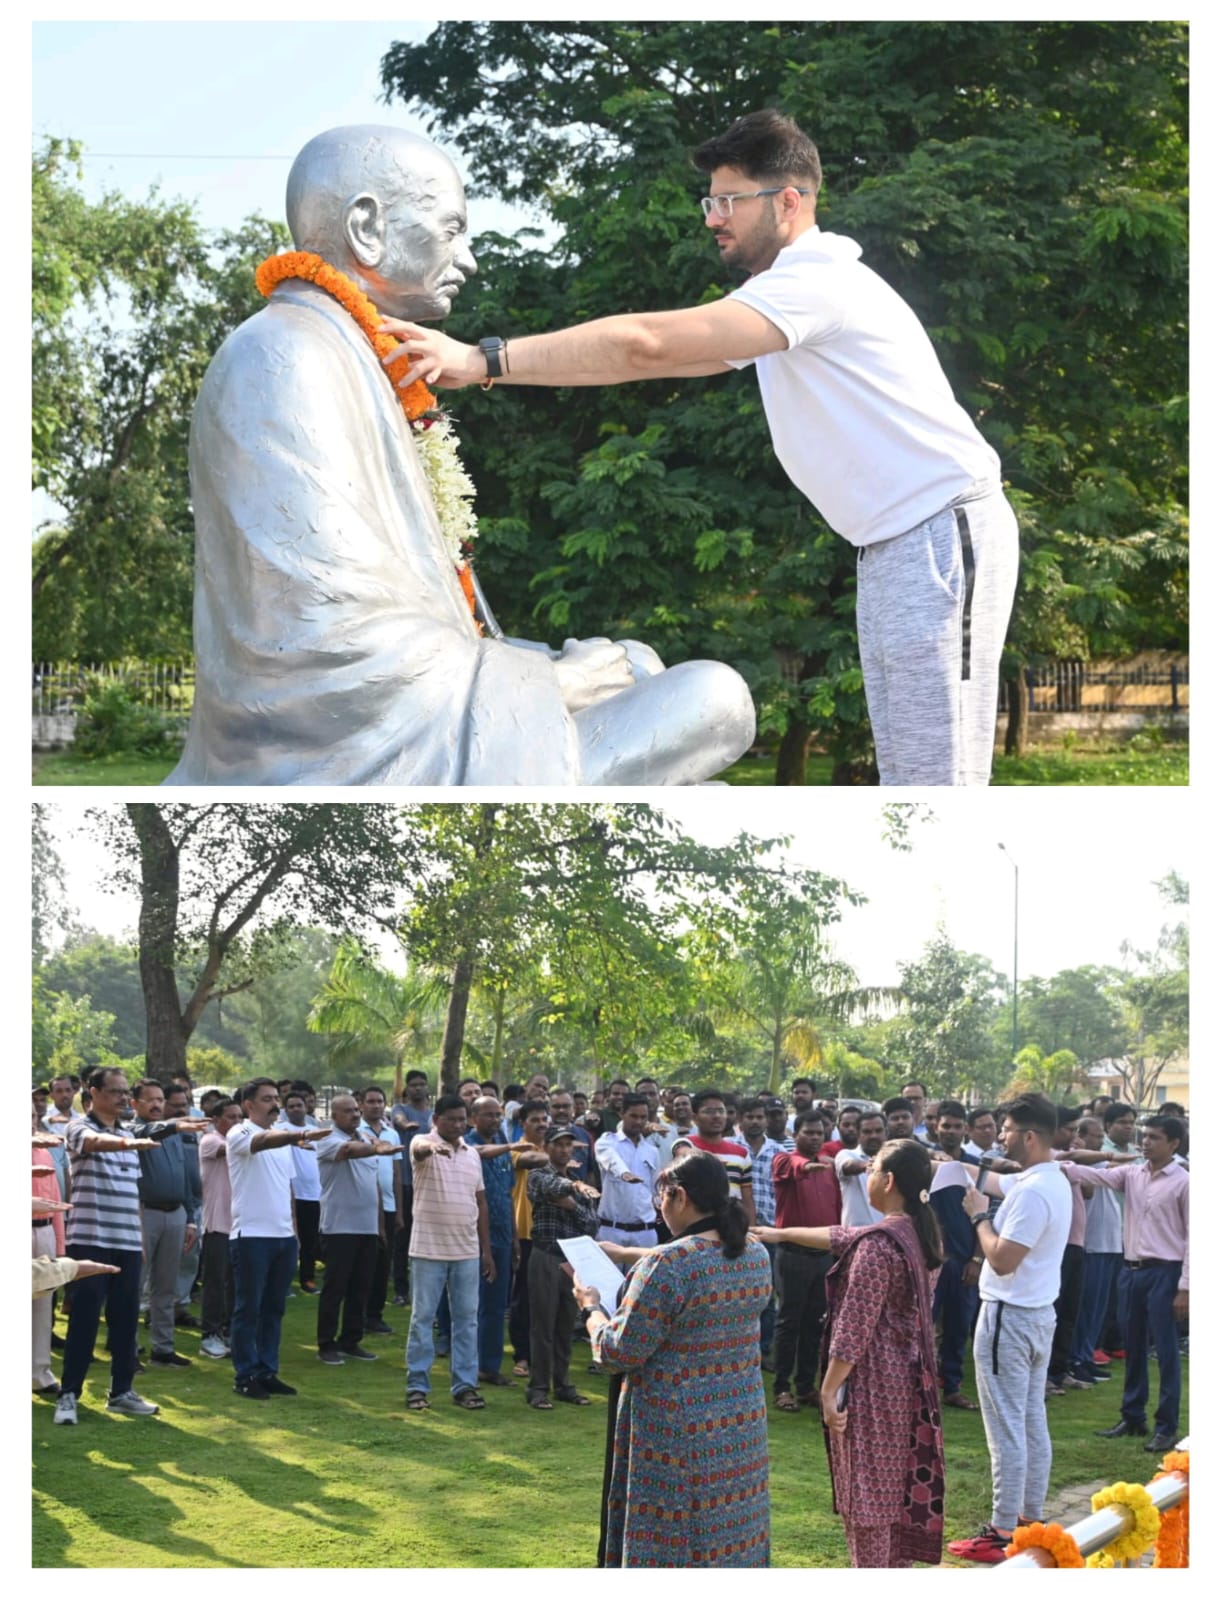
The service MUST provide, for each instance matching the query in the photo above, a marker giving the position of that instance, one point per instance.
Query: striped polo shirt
(444, 1209)
(734, 1157)
(105, 1197)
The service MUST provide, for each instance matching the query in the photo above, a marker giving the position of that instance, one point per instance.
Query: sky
(1087, 869)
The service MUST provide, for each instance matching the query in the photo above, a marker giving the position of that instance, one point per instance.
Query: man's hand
(44, 1208)
(764, 1234)
(94, 1269)
(627, 1177)
(515, 1258)
(487, 1265)
(970, 1273)
(188, 1238)
(46, 1141)
(974, 1203)
(311, 1136)
(1179, 1305)
(387, 1147)
(592, 670)
(587, 1189)
(436, 358)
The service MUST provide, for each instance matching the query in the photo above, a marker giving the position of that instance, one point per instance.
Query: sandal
(417, 1400)
(541, 1403)
(786, 1402)
(959, 1401)
(521, 1369)
(470, 1400)
(572, 1398)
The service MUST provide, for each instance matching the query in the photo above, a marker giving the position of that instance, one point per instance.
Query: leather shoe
(1161, 1442)
(1122, 1428)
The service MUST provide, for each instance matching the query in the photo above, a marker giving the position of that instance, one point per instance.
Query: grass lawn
(60, 768)
(1128, 764)
(341, 1476)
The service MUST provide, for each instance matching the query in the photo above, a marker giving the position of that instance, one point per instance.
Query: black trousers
(120, 1297)
(519, 1305)
(216, 1305)
(350, 1261)
(553, 1315)
(1068, 1305)
(801, 1278)
(402, 1245)
(309, 1217)
(381, 1269)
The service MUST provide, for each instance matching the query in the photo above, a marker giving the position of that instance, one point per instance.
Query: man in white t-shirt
(862, 419)
(262, 1244)
(852, 1169)
(1018, 1287)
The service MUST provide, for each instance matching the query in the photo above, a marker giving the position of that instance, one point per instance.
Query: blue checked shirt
(763, 1189)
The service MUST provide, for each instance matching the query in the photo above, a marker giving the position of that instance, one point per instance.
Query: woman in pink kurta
(879, 1391)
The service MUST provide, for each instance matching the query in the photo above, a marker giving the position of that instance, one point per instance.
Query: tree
(1023, 185)
(362, 1007)
(48, 911)
(1076, 1010)
(1054, 1075)
(504, 891)
(945, 1029)
(220, 883)
(1154, 1001)
(131, 301)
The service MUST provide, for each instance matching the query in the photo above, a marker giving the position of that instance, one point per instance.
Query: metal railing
(1096, 1531)
(60, 687)
(1105, 686)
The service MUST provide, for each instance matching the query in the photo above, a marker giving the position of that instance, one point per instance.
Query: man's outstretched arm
(696, 342)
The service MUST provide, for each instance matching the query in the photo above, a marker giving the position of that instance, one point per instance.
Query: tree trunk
(166, 1038)
(455, 1023)
(498, 1023)
(1017, 727)
(791, 756)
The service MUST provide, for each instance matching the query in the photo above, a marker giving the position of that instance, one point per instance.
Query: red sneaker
(986, 1546)
(1117, 1355)
(1101, 1359)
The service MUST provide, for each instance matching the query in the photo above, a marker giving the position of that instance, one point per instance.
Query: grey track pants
(932, 608)
(1012, 1349)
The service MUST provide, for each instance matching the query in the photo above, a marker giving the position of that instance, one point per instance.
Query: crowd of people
(845, 1252)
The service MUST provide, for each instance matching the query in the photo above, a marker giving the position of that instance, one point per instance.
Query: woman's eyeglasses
(663, 1191)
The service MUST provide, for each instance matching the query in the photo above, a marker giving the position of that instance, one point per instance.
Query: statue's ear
(364, 229)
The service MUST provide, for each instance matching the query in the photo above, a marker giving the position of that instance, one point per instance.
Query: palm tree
(364, 1006)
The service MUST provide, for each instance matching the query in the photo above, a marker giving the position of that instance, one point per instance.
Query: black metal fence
(61, 687)
(1105, 686)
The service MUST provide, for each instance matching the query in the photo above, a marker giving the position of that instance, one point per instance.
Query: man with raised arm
(862, 419)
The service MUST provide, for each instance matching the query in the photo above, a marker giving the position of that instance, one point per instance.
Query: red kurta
(887, 1467)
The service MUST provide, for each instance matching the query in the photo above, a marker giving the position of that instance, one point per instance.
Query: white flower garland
(449, 484)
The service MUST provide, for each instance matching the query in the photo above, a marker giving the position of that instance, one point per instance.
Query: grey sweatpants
(1012, 1349)
(164, 1232)
(932, 608)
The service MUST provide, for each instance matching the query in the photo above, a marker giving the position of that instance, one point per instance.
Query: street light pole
(1014, 865)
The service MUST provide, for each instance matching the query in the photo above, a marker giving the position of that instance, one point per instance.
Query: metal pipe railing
(1092, 1533)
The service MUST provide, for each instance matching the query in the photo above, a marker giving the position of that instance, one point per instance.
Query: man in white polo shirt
(862, 419)
(1018, 1287)
(450, 1247)
(262, 1244)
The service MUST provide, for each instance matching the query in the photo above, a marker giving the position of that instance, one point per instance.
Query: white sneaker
(65, 1411)
(214, 1346)
(132, 1405)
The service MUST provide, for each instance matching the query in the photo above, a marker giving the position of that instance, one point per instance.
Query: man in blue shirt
(485, 1135)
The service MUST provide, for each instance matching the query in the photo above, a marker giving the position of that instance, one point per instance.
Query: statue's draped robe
(333, 642)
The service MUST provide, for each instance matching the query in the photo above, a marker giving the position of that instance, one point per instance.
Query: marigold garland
(1141, 1536)
(1052, 1537)
(1172, 1548)
(451, 488)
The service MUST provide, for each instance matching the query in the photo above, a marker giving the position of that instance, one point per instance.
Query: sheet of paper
(953, 1174)
(595, 1269)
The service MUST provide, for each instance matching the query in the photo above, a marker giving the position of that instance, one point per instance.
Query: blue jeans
(1100, 1269)
(428, 1280)
(262, 1276)
(493, 1303)
(1150, 1302)
(956, 1304)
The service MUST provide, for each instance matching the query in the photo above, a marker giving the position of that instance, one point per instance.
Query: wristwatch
(493, 354)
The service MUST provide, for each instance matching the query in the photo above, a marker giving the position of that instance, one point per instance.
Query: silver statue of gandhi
(333, 641)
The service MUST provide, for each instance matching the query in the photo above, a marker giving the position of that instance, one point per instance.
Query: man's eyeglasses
(722, 204)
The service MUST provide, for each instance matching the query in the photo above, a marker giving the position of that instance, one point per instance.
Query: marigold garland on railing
(1171, 1549)
(1059, 1544)
(448, 482)
(1140, 1537)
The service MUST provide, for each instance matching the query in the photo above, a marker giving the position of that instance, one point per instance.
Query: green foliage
(1023, 185)
(210, 1065)
(68, 1034)
(130, 302)
(114, 721)
(1055, 1075)
(945, 1031)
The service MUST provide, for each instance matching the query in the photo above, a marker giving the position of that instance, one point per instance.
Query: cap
(555, 1132)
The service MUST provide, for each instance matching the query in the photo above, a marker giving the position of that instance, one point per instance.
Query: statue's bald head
(338, 166)
(385, 206)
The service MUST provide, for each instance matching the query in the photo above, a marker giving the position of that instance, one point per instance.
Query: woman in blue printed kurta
(688, 1478)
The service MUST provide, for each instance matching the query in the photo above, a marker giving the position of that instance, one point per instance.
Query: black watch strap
(493, 351)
